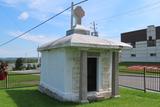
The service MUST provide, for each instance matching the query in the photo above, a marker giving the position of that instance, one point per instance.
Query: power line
(40, 24)
(133, 10)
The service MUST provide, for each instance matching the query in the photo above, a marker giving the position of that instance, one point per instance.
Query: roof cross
(78, 14)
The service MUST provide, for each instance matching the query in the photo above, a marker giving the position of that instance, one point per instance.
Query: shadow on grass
(33, 98)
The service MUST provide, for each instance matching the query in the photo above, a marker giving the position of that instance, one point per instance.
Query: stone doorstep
(84, 101)
(117, 96)
(95, 96)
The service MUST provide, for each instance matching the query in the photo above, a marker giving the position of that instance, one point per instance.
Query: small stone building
(79, 67)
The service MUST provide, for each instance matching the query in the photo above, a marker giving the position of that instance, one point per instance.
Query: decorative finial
(78, 14)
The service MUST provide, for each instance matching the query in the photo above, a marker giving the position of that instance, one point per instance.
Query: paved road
(138, 82)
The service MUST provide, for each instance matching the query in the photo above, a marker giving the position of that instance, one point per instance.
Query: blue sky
(112, 17)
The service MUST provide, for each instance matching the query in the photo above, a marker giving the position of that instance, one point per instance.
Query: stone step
(100, 97)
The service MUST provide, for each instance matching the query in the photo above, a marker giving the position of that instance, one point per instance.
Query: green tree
(19, 64)
(34, 66)
(28, 67)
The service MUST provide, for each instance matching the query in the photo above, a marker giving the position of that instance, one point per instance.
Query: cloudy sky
(112, 17)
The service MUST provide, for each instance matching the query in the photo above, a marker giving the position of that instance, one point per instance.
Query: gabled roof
(80, 40)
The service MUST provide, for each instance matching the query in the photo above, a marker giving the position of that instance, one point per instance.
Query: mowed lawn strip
(15, 80)
(31, 97)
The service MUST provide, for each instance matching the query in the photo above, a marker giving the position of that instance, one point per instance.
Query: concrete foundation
(91, 96)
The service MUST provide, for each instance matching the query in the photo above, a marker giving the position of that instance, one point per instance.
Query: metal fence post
(144, 76)
(7, 81)
(159, 78)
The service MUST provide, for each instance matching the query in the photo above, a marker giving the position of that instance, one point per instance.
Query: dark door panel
(92, 74)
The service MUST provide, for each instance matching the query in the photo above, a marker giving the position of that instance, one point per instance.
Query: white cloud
(109, 37)
(4, 51)
(42, 9)
(14, 51)
(40, 39)
(23, 16)
(14, 3)
(38, 9)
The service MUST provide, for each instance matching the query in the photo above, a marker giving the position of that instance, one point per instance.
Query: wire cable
(40, 24)
(131, 11)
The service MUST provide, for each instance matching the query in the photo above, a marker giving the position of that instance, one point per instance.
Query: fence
(152, 79)
(149, 79)
(15, 80)
(135, 81)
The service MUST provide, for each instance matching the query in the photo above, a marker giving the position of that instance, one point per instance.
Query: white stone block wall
(105, 62)
(72, 73)
(60, 72)
(52, 72)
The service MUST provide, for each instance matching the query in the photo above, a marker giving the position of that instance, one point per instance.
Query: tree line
(24, 64)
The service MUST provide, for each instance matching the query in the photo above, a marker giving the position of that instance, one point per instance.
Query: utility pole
(72, 7)
(94, 33)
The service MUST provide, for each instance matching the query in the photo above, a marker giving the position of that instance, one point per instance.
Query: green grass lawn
(31, 97)
(20, 80)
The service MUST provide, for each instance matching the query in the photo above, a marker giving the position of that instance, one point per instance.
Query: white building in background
(146, 45)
